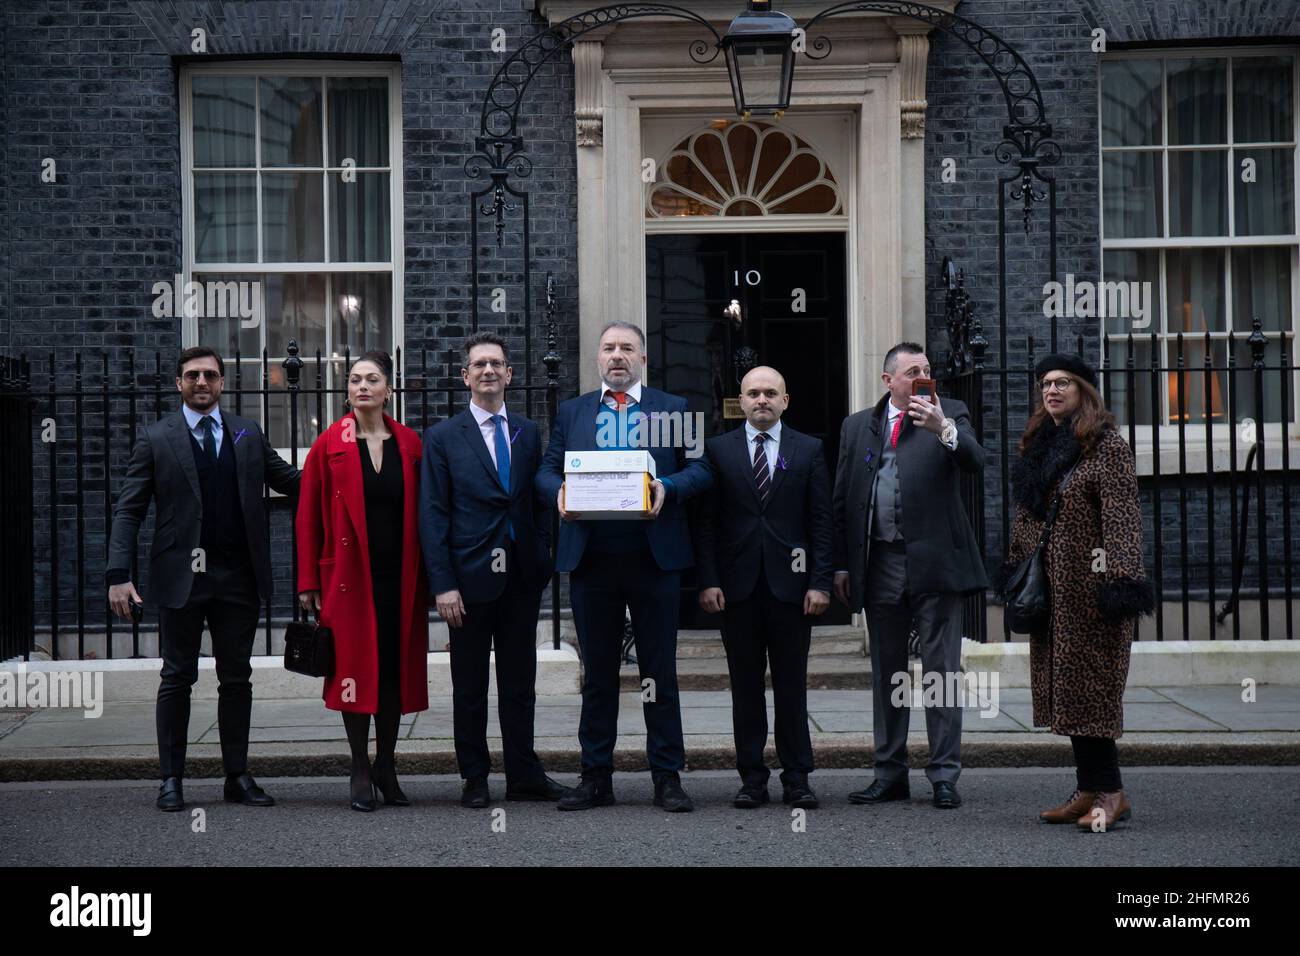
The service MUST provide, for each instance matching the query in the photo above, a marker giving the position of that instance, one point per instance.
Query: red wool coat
(334, 558)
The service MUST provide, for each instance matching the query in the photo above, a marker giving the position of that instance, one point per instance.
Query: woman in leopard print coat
(1079, 666)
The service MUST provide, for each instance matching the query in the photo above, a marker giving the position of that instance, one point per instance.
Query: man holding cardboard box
(627, 551)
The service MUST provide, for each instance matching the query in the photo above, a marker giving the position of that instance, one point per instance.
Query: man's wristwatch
(949, 432)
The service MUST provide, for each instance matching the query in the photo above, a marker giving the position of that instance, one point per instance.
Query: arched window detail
(743, 169)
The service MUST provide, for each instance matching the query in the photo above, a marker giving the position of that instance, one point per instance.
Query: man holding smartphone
(907, 553)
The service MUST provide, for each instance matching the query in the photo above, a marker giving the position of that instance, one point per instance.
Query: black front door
(791, 293)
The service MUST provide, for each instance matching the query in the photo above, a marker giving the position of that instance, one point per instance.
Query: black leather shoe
(881, 792)
(384, 775)
(170, 795)
(587, 794)
(799, 794)
(543, 789)
(750, 796)
(475, 795)
(946, 796)
(670, 795)
(242, 788)
(362, 791)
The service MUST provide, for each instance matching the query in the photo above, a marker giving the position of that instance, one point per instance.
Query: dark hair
(199, 351)
(620, 324)
(891, 357)
(1089, 420)
(380, 358)
(486, 338)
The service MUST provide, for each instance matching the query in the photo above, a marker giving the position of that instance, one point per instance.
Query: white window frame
(394, 266)
(1167, 434)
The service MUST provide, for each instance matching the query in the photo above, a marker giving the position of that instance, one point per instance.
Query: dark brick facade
(95, 86)
(964, 121)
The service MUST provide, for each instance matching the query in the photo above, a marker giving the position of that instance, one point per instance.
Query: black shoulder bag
(309, 649)
(1028, 592)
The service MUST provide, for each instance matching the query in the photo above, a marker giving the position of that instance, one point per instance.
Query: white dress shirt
(771, 447)
(192, 418)
(895, 411)
(488, 428)
(633, 392)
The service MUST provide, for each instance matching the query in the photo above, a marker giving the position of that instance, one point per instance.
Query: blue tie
(503, 461)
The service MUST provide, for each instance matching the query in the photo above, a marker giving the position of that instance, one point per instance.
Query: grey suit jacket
(162, 469)
(942, 553)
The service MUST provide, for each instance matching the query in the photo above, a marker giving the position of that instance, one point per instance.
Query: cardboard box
(608, 485)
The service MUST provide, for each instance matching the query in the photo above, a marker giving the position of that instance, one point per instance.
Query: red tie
(893, 436)
(620, 398)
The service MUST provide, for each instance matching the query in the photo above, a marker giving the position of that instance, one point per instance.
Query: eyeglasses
(193, 375)
(1056, 384)
(495, 364)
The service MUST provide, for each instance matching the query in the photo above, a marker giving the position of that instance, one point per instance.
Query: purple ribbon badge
(517, 433)
(240, 434)
(782, 463)
(867, 456)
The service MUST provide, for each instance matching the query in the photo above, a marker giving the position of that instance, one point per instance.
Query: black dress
(384, 492)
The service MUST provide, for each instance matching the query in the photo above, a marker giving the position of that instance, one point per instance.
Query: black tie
(209, 439)
(762, 480)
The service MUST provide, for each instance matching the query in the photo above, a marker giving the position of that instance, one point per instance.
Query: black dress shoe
(590, 792)
(242, 788)
(363, 793)
(475, 795)
(670, 795)
(542, 789)
(170, 795)
(750, 796)
(946, 796)
(799, 794)
(384, 775)
(881, 792)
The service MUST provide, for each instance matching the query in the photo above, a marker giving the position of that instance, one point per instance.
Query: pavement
(1186, 817)
(1164, 726)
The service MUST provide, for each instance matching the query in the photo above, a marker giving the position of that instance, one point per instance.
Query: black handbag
(1028, 591)
(309, 649)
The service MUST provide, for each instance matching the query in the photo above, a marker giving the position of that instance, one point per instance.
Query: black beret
(1074, 364)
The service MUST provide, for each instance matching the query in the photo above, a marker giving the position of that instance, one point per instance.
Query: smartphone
(923, 387)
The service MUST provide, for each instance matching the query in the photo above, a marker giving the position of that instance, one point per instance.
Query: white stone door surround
(640, 70)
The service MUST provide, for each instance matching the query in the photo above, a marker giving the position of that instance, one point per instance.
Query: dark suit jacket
(464, 510)
(735, 530)
(942, 553)
(669, 534)
(162, 468)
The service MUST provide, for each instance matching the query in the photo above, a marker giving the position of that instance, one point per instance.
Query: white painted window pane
(1198, 102)
(291, 117)
(358, 120)
(225, 217)
(1130, 103)
(1266, 206)
(1133, 204)
(359, 218)
(292, 216)
(1198, 193)
(224, 121)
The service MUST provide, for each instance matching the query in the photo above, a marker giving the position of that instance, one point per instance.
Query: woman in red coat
(359, 568)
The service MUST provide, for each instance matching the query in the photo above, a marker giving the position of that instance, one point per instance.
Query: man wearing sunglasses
(210, 562)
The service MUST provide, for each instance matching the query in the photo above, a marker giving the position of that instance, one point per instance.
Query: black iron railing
(67, 431)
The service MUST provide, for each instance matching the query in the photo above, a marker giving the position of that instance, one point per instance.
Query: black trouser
(601, 588)
(755, 630)
(510, 625)
(225, 597)
(1097, 763)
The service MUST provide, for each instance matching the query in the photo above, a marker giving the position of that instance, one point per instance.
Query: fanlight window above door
(743, 169)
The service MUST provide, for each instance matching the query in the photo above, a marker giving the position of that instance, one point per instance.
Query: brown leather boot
(1079, 803)
(1114, 807)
